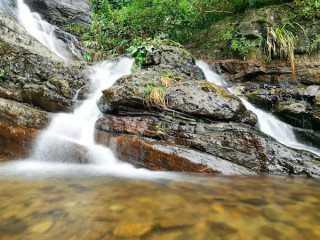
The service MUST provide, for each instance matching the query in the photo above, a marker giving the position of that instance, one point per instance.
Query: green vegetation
(241, 46)
(2, 74)
(120, 24)
(310, 10)
(313, 44)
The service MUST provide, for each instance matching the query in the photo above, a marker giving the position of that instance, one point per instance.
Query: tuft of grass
(156, 97)
(167, 81)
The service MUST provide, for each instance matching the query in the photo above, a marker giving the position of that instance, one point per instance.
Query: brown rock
(132, 230)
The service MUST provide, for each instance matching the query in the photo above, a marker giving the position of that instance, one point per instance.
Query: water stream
(268, 123)
(44, 32)
(49, 197)
(69, 138)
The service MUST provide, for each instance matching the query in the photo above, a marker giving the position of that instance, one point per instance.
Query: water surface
(91, 207)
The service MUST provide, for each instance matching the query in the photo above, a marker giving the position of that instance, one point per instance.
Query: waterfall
(44, 32)
(76, 129)
(69, 138)
(267, 123)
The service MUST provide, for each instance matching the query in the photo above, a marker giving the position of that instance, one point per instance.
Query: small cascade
(69, 138)
(76, 130)
(268, 123)
(45, 33)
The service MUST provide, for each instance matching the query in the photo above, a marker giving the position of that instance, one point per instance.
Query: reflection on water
(114, 208)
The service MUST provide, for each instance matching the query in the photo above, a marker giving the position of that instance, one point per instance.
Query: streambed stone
(132, 230)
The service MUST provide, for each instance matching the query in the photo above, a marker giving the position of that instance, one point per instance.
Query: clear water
(47, 197)
(268, 123)
(87, 208)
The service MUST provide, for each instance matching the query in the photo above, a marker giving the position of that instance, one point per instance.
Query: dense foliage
(119, 24)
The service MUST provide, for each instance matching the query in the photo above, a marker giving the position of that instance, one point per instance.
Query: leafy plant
(2, 73)
(241, 46)
(141, 54)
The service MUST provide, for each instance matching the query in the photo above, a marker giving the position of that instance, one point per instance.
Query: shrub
(118, 24)
(241, 46)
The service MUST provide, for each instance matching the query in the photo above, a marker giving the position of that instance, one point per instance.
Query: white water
(268, 123)
(44, 32)
(71, 135)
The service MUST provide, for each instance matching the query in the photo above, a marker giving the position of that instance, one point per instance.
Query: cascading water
(44, 32)
(69, 139)
(77, 128)
(268, 124)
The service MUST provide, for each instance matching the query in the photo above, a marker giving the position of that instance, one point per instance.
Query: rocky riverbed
(212, 208)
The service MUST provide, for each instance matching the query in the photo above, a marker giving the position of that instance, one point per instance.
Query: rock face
(62, 12)
(33, 82)
(215, 42)
(19, 125)
(196, 127)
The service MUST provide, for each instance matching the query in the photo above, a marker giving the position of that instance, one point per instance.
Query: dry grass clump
(156, 97)
(167, 82)
(280, 44)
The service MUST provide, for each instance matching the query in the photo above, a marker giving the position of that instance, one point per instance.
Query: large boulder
(162, 142)
(189, 124)
(19, 126)
(174, 86)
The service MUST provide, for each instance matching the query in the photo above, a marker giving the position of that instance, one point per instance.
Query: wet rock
(226, 148)
(269, 214)
(186, 93)
(70, 152)
(132, 230)
(34, 75)
(295, 105)
(271, 232)
(35, 82)
(297, 113)
(12, 226)
(19, 126)
(222, 230)
(175, 219)
(41, 227)
(255, 202)
(174, 60)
